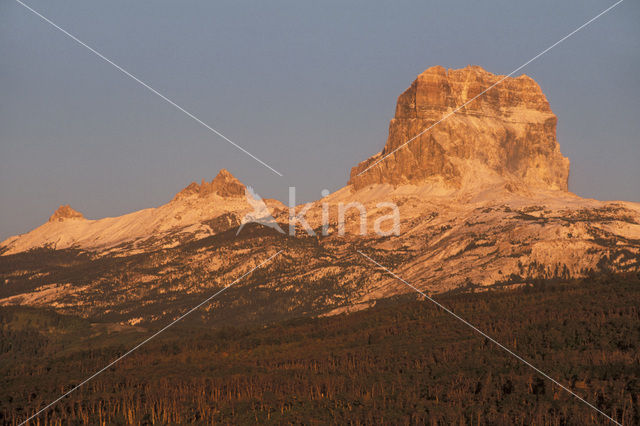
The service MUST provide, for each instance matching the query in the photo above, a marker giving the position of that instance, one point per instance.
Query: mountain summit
(65, 212)
(507, 135)
(224, 184)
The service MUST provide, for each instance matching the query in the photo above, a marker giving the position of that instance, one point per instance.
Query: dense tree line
(403, 361)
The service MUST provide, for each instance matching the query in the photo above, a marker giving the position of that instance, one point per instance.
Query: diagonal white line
(477, 330)
(146, 340)
(145, 85)
(493, 85)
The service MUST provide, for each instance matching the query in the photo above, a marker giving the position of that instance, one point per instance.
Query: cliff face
(510, 131)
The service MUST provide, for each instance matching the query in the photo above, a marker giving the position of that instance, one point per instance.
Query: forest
(404, 361)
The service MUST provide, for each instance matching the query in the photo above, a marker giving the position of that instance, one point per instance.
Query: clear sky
(309, 87)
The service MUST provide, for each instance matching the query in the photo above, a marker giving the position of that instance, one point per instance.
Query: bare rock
(510, 131)
(65, 212)
(224, 184)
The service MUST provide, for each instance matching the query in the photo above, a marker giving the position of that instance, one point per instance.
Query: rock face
(508, 133)
(224, 184)
(65, 212)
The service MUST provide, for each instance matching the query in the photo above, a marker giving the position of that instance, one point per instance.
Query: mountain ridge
(469, 219)
(192, 211)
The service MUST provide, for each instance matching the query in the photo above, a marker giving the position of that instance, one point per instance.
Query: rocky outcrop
(224, 184)
(65, 212)
(508, 132)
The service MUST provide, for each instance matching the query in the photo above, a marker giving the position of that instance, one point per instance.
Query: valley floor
(402, 362)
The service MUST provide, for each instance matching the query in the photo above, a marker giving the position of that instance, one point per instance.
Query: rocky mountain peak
(509, 132)
(224, 184)
(65, 212)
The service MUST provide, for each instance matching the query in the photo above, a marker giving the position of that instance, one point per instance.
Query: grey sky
(309, 87)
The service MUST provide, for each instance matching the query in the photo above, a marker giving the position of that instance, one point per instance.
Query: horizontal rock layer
(508, 132)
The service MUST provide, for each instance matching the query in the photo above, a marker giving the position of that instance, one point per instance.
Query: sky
(307, 87)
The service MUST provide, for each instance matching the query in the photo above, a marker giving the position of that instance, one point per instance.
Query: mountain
(507, 134)
(197, 211)
(482, 200)
(483, 194)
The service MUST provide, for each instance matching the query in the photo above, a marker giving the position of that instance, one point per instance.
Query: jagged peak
(65, 212)
(224, 184)
(224, 177)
